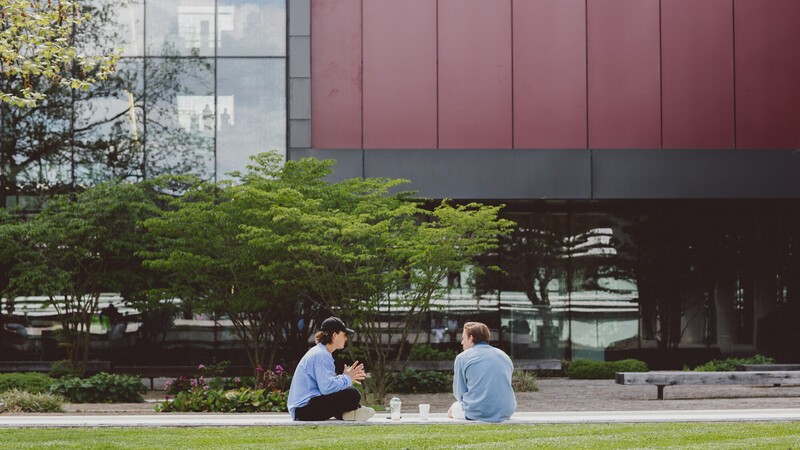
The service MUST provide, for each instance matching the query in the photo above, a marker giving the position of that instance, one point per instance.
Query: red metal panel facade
(336, 73)
(443, 78)
(767, 74)
(697, 73)
(550, 74)
(475, 74)
(624, 74)
(399, 74)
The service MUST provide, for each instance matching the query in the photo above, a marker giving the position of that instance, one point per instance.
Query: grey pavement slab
(531, 418)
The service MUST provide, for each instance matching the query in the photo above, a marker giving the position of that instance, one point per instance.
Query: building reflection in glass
(200, 88)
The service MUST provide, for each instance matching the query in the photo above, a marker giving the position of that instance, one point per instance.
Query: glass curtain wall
(201, 86)
(671, 282)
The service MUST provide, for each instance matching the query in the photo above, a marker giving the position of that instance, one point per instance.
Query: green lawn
(661, 435)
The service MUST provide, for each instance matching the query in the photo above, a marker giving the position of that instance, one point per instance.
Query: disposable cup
(424, 409)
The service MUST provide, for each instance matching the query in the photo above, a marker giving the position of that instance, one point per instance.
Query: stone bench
(766, 367)
(662, 379)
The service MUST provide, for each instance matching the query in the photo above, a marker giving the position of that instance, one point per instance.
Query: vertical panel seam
(586, 60)
(287, 81)
(362, 74)
(513, 109)
(438, 143)
(586, 56)
(733, 42)
(660, 75)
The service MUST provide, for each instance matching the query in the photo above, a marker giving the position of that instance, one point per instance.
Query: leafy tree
(424, 250)
(356, 249)
(37, 42)
(280, 247)
(213, 269)
(208, 253)
(75, 249)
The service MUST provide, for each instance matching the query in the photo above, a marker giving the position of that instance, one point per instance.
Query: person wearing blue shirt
(482, 379)
(316, 392)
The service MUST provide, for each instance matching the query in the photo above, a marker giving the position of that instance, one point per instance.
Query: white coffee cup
(424, 409)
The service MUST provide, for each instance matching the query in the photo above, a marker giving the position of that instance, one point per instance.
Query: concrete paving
(282, 419)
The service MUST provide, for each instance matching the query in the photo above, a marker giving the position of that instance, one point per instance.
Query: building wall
(622, 74)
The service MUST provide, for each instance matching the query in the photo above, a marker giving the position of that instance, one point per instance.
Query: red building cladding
(624, 74)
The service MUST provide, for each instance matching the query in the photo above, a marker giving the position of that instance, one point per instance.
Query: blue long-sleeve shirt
(482, 383)
(315, 375)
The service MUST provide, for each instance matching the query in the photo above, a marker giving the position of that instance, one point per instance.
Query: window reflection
(180, 117)
(251, 107)
(183, 27)
(109, 131)
(603, 290)
(252, 27)
(115, 24)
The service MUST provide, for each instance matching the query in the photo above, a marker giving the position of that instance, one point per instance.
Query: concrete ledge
(283, 419)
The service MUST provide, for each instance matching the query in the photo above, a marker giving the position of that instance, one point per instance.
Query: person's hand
(355, 372)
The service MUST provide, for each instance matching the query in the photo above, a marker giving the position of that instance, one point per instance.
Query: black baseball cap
(333, 325)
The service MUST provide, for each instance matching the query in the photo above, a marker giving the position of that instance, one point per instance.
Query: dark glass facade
(665, 281)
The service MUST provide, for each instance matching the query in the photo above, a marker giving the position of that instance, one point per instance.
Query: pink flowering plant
(278, 379)
(228, 394)
(211, 375)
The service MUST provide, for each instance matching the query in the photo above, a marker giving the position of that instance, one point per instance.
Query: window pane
(251, 102)
(180, 27)
(252, 27)
(603, 288)
(115, 24)
(109, 128)
(180, 117)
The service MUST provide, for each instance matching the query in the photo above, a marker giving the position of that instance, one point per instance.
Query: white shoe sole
(359, 415)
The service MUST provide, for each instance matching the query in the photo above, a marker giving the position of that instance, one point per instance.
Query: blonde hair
(479, 331)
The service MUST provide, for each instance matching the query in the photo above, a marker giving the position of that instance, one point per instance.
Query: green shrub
(628, 365)
(33, 382)
(523, 381)
(425, 352)
(30, 402)
(202, 399)
(101, 388)
(62, 368)
(729, 364)
(586, 369)
(421, 381)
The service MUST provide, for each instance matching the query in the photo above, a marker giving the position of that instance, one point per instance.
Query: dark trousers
(332, 405)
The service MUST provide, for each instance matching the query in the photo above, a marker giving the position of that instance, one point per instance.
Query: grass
(727, 435)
